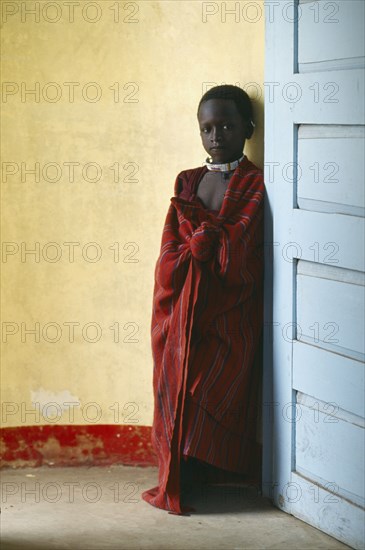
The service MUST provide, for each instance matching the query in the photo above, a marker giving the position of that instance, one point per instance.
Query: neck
(223, 166)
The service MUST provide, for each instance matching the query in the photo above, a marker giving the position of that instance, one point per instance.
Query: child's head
(225, 120)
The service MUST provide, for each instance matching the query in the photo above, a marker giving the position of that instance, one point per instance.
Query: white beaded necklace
(222, 167)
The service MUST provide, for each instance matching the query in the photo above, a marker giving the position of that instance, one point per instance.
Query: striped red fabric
(205, 329)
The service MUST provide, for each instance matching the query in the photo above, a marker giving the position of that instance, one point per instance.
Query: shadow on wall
(254, 147)
(23, 545)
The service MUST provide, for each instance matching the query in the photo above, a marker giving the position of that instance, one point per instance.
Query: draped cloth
(205, 329)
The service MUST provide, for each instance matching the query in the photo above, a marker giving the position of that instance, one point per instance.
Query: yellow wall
(167, 53)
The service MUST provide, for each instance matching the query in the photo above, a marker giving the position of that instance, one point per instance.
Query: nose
(215, 135)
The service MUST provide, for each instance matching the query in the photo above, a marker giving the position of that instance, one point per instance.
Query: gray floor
(101, 508)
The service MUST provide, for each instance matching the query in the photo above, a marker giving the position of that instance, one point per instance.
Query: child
(207, 306)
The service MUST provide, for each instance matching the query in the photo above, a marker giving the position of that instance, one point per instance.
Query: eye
(204, 130)
(227, 127)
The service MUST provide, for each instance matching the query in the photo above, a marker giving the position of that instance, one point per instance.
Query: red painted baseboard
(98, 445)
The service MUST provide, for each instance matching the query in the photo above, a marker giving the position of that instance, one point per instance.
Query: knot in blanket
(203, 241)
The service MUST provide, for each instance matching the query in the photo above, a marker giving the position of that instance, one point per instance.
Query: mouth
(217, 148)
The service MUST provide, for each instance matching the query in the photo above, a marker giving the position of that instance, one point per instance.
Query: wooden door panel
(331, 377)
(324, 438)
(333, 239)
(331, 169)
(323, 508)
(317, 20)
(330, 312)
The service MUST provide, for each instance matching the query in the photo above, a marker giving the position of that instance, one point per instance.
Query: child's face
(222, 130)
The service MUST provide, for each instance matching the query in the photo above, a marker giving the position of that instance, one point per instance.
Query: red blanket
(205, 329)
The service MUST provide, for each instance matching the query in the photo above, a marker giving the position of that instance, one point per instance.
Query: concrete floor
(101, 508)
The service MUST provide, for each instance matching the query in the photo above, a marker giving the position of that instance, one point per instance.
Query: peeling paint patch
(96, 445)
(51, 402)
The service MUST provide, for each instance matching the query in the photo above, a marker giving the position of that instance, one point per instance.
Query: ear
(249, 129)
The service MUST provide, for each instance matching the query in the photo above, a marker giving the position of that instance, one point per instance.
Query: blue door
(315, 302)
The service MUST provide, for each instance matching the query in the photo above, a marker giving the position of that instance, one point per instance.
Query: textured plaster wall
(135, 73)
